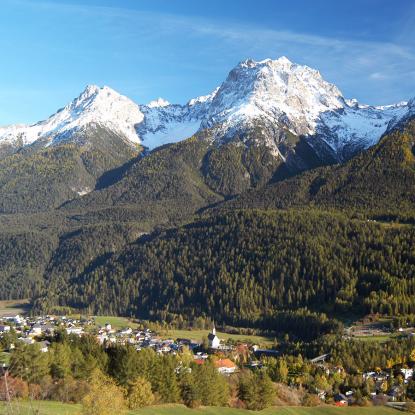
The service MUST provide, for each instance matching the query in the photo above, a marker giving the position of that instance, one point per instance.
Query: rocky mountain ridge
(272, 96)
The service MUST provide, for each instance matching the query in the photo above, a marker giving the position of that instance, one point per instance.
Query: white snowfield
(278, 93)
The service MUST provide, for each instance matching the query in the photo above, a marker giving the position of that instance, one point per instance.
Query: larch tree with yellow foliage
(104, 396)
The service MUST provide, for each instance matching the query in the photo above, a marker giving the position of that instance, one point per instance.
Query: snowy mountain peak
(157, 103)
(89, 90)
(203, 98)
(282, 60)
(273, 90)
(95, 105)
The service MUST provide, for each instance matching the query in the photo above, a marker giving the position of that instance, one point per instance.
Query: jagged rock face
(278, 95)
(266, 102)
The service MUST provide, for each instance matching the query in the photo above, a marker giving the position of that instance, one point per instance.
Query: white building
(4, 329)
(214, 341)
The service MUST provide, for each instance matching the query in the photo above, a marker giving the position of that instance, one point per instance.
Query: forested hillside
(245, 267)
(380, 181)
(36, 180)
(320, 256)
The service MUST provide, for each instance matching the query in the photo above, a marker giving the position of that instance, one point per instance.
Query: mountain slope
(277, 94)
(170, 184)
(32, 181)
(380, 180)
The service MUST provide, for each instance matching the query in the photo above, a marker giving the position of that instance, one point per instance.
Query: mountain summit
(274, 91)
(279, 94)
(94, 106)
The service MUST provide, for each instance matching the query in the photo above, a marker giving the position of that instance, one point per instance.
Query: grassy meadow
(13, 307)
(199, 334)
(56, 408)
(116, 322)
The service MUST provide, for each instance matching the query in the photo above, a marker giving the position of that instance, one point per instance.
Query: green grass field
(380, 339)
(39, 408)
(327, 410)
(199, 334)
(55, 408)
(116, 322)
(121, 322)
(13, 307)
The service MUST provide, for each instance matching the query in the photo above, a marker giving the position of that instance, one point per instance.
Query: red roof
(224, 363)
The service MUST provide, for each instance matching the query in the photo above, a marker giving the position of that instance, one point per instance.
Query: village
(37, 330)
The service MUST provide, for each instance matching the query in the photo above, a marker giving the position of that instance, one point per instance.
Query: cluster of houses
(31, 330)
(381, 379)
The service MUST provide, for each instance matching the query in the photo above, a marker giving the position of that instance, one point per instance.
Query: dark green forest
(244, 268)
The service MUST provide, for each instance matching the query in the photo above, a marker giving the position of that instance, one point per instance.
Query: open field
(56, 408)
(380, 339)
(39, 408)
(13, 307)
(121, 322)
(116, 322)
(199, 334)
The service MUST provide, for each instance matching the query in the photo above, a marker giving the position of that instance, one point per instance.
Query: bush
(17, 388)
(311, 400)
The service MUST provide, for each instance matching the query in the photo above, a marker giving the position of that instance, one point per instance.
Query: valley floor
(13, 307)
(56, 408)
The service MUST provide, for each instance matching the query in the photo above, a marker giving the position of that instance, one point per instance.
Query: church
(214, 341)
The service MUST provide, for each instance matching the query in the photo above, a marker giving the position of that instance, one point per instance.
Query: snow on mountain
(274, 91)
(282, 93)
(356, 127)
(274, 94)
(157, 103)
(152, 125)
(95, 105)
(166, 123)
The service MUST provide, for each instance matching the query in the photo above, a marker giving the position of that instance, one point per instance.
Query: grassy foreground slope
(328, 410)
(56, 408)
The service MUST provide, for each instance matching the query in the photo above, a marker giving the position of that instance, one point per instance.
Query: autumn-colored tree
(104, 396)
(140, 394)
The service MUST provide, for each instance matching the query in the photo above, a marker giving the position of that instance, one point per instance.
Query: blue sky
(51, 49)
